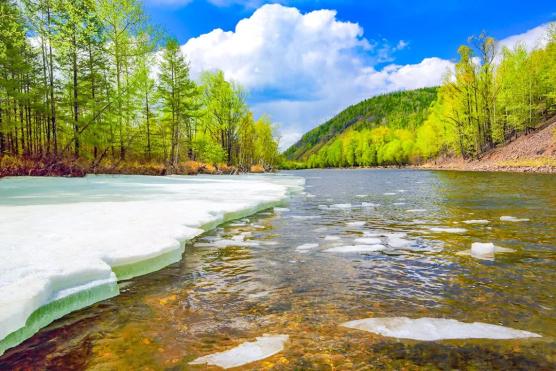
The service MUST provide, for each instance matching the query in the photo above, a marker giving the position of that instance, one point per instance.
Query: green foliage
(488, 100)
(81, 80)
(400, 110)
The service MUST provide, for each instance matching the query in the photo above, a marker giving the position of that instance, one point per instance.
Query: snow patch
(263, 347)
(431, 329)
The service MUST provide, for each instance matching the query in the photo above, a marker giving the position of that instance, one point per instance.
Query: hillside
(400, 110)
(533, 152)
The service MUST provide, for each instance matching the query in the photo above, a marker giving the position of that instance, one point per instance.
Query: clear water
(219, 297)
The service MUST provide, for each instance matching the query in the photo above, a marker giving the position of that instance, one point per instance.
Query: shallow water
(259, 282)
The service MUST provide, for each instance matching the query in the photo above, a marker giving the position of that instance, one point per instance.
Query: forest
(94, 83)
(494, 95)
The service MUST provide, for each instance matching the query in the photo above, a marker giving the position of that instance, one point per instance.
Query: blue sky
(301, 64)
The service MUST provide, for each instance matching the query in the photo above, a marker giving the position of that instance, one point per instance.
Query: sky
(303, 61)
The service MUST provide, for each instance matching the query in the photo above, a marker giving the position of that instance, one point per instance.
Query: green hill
(400, 110)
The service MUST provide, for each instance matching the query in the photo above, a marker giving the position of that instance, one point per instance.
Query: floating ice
(361, 196)
(69, 251)
(486, 251)
(332, 238)
(341, 206)
(398, 242)
(398, 203)
(431, 329)
(281, 209)
(306, 217)
(358, 223)
(264, 347)
(307, 246)
(367, 241)
(369, 204)
(416, 210)
(448, 230)
(355, 248)
(512, 219)
(389, 193)
(476, 221)
(227, 243)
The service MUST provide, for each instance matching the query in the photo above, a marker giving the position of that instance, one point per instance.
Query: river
(283, 271)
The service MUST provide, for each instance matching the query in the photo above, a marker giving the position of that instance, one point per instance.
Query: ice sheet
(59, 234)
(431, 329)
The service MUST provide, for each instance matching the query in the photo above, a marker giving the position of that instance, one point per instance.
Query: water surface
(224, 293)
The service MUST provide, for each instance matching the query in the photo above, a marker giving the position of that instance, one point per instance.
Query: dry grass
(257, 169)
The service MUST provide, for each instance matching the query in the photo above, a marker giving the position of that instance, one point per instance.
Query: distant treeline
(493, 96)
(92, 80)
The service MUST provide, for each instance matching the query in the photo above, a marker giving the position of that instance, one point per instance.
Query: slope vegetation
(400, 110)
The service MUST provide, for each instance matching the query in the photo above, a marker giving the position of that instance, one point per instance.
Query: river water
(254, 276)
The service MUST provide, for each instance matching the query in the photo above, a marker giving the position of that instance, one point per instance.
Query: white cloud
(531, 39)
(304, 68)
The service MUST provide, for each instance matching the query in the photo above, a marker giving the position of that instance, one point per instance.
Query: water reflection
(248, 278)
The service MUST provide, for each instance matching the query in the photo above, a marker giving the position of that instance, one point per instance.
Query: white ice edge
(263, 347)
(56, 249)
(432, 329)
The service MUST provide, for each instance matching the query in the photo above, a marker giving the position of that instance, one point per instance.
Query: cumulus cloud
(303, 68)
(531, 39)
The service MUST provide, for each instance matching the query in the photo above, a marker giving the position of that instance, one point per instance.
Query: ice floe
(358, 223)
(332, 238)
(355, 248)
(367, 241)
(507, 218)
(476, 221)
(416, 210)
(447, 230)
(75, 248)
(281, 209)
(307, 246)
(431, 329)
(389, 193)
(369, 204)
(263, 347)
(341, 206)
(487, 251)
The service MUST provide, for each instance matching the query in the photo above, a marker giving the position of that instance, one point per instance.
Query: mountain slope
(400, 110)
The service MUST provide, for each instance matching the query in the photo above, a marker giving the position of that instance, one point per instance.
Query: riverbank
(22, 166)
(535, 152)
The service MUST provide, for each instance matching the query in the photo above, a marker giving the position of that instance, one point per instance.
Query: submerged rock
(431, 329)
(263, 347)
